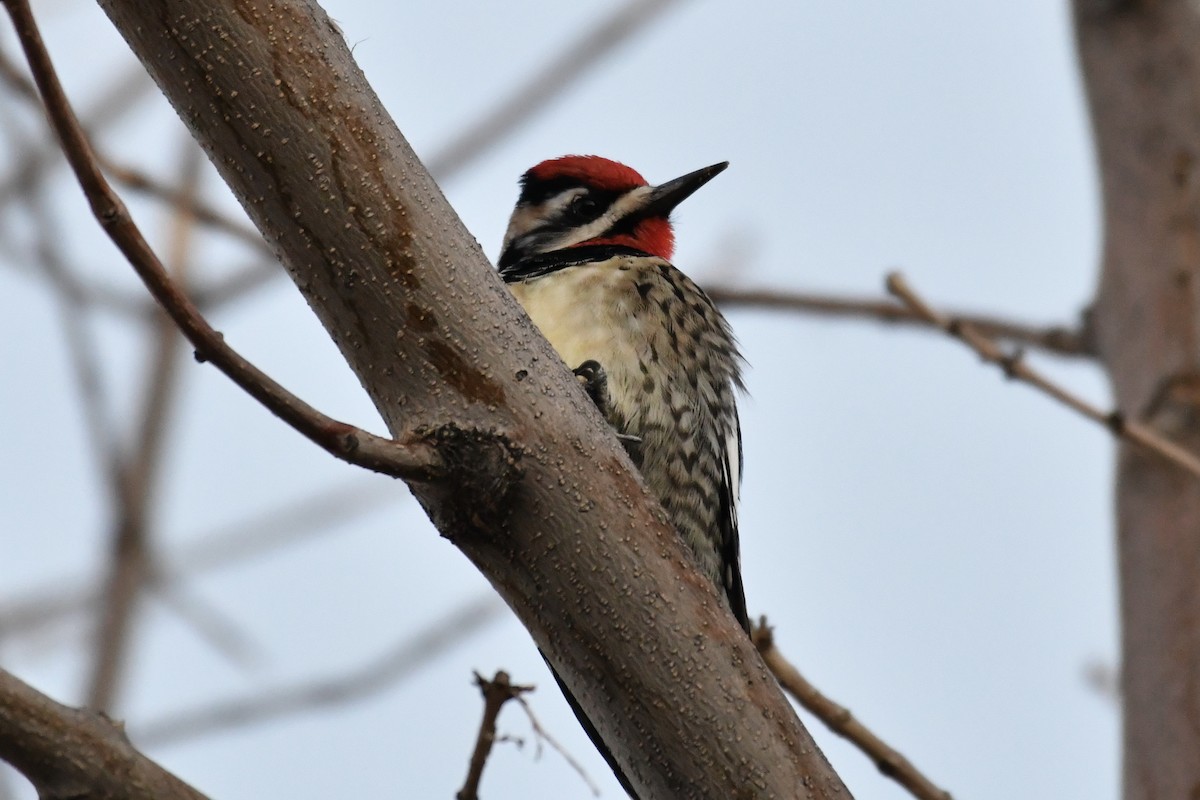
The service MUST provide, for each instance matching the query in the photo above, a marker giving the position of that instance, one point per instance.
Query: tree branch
(1140, 62)
(413, 459)
(69, 754)
(496, 692)
(839, 720)
(542, 735)
(1014, 366)
(1057, 340)
(135, 482)
(574, 543)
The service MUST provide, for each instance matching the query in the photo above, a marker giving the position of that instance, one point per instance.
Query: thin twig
(496, 692)
(568, 66)
(81, 346)
(109, 105)
(262, 706)
(1014, 366)
(1058, 340)
(139, 181)
(219, 630)
(543, 736)
(839, 720)
(413, 460)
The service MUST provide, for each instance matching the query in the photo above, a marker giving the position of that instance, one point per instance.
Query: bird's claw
(594, 381)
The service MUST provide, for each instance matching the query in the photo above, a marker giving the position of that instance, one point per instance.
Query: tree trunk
(567, 534)
(1141, 63)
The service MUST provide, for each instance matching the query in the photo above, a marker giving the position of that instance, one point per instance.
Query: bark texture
(573, 543)
(1141, 65)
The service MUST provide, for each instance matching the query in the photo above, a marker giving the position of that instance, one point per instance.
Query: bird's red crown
(603, 173)
(651, 234)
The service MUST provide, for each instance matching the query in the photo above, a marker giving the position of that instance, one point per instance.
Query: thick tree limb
(69, 754)
(577, 548)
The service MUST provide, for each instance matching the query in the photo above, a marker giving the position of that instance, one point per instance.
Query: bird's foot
(594, 381)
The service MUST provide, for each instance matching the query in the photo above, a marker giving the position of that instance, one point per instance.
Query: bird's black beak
(666, 196)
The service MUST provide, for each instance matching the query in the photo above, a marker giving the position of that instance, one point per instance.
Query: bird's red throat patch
(652, 235)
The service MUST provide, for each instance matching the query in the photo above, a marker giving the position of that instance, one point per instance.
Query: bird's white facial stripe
(625, 205)
(527, 218)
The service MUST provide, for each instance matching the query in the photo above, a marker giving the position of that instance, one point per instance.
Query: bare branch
(219, 630)
(1058, 340)
(542, 735)
(496, 692)
(69, 753)
(133, 491)
(338, 690)
(839, 720)
(1014, 366)
(109, 106)
(413, 460)
(81, 350)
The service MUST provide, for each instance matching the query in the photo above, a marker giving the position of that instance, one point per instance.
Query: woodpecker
(588, 254)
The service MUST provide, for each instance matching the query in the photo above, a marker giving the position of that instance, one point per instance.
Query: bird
(587, 253)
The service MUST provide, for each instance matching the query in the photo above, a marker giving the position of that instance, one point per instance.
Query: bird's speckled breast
(590, 312)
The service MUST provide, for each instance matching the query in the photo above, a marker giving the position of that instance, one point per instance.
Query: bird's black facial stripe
(530, 243)
(565, 212)
(588, 204)
(541, 264)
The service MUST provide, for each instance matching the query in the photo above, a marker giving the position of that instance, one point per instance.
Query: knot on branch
(480, 469)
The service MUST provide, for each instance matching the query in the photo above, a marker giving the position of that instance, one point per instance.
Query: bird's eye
(584, 206)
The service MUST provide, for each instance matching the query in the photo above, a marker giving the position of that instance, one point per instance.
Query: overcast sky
(933, 543)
